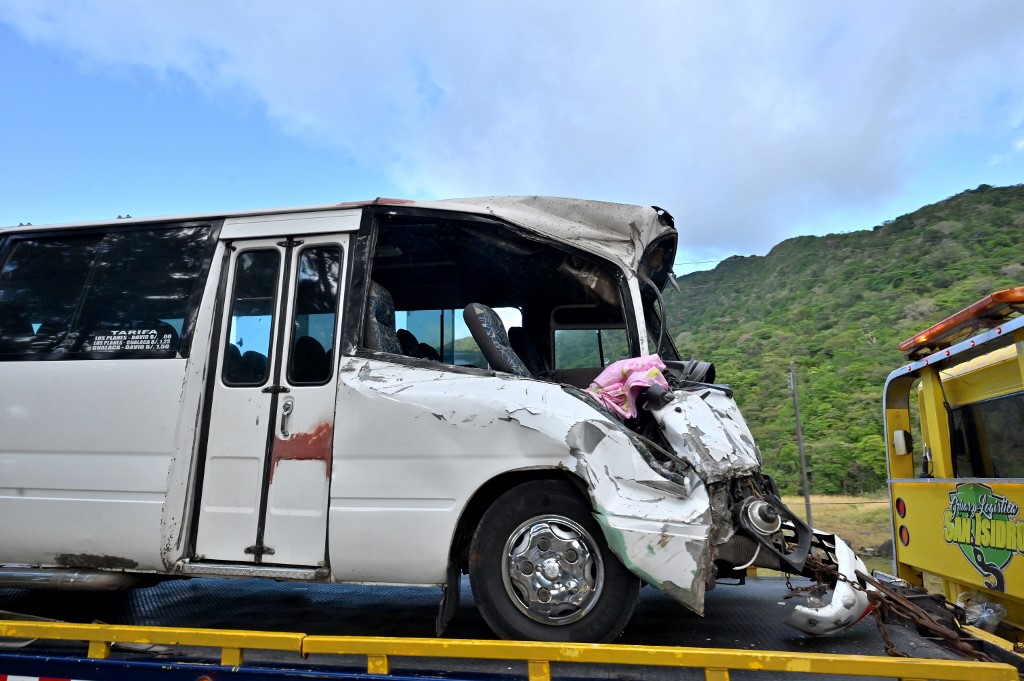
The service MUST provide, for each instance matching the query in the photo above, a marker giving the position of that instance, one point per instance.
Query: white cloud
(741, 118)
(999, 159)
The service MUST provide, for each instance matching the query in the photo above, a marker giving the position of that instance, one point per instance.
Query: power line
(773, 276)
(846, 249)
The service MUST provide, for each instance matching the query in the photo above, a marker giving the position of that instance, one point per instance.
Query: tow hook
(849, 602)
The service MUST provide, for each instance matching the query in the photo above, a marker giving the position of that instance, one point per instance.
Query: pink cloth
(617, 386)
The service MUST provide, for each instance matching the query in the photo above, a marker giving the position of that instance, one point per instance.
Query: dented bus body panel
(254, 409)
(659, 528)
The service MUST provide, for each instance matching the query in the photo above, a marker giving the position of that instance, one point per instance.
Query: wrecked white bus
(331, 394)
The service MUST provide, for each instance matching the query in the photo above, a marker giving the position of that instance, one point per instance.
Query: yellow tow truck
(957, 494)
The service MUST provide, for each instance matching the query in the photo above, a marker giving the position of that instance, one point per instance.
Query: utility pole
(800, 443)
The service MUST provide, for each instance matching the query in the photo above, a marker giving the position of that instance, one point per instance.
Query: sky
(750, 121)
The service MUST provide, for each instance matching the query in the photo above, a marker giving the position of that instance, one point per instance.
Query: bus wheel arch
(541, 568)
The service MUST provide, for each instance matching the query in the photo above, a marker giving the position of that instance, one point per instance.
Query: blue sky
(751, 122)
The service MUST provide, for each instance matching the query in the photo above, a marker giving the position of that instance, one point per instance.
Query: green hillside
(838, 306)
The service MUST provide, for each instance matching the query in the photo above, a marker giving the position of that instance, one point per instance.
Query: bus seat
(489, 333)
(162, 328)
(412, 347)
(233, 364)
(254, 367)
(428, 352)
(524, 347)
(310, 362)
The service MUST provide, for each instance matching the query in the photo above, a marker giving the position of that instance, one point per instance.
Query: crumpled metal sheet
(849, 603)
(618, 232)
(659, 529)
(706, 429)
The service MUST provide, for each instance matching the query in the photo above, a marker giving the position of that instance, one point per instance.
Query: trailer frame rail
(716, 663)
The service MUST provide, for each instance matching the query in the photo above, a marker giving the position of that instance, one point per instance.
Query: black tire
(592, 595)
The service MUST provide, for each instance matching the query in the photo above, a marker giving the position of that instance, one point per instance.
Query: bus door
(269, 450)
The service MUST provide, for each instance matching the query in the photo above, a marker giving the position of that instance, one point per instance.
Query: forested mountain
(838, 306)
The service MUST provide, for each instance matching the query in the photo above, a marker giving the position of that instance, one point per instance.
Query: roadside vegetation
(838, 306)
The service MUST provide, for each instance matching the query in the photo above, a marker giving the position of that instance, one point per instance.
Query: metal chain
(886, 601)
(880, 607)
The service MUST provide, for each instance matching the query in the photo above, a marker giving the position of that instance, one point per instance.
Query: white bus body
(230, 395)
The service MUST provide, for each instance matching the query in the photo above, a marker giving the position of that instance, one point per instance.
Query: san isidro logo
(984, 526)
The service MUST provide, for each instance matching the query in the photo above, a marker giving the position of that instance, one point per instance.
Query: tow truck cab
(956, 477)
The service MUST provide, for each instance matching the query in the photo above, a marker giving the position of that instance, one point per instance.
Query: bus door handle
(286, 411)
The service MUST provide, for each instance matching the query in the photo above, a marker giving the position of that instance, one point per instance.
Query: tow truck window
(121, 294)
(987, 438)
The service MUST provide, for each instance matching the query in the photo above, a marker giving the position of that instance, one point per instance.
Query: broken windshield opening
(654, 274)
(432, 269)
(659, 340)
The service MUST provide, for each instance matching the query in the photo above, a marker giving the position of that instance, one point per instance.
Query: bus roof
(620, 232)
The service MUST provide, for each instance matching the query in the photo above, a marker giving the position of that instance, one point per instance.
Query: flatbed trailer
(221, 628)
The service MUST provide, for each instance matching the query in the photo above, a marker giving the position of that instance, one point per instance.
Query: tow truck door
(268, 457)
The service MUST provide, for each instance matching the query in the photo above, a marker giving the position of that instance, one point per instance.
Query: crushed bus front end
(693, 506)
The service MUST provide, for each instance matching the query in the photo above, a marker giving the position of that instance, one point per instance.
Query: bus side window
(315, 316)
(253, 304)
(123, 293)
(40, 286)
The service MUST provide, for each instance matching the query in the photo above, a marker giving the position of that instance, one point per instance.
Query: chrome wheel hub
(552, 570)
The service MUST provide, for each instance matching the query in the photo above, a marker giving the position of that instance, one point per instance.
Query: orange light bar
(988, 311)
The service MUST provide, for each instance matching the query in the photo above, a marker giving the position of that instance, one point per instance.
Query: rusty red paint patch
(317, 445)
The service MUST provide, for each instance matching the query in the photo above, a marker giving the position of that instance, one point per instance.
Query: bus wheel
(541, 570)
